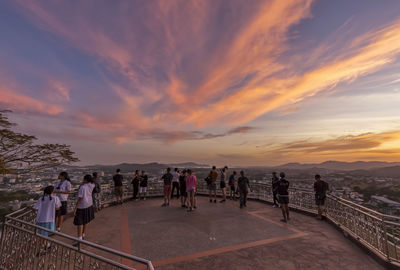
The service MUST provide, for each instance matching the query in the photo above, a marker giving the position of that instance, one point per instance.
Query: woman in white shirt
(62, 189)
(84, 212)
(46, 208)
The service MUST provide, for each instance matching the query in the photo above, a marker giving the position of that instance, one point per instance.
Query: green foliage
(20, 154)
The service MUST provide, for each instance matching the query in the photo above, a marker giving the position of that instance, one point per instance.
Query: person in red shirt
(320, 188)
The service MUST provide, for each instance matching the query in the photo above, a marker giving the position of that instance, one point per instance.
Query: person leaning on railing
(320, 188)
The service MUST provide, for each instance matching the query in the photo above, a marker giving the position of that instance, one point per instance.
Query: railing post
(386, 238)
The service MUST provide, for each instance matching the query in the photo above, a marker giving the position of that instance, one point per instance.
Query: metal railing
(21, 243)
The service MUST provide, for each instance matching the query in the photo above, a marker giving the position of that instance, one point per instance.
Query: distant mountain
(392, 172)
(188, 165)
(341, 166)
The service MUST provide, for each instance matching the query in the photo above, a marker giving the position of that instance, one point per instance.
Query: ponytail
(48, 191)
(65, 175)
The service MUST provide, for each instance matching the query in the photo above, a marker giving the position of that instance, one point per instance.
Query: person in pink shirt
(191, 183)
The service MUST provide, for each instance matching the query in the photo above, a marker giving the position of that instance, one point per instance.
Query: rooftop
(222, 236)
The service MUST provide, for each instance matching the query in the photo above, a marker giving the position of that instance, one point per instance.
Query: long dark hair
(47, 192)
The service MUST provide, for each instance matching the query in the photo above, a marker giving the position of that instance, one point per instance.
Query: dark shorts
(119, 191)
(84, 216)
(63, 209)
(320, 199)
(182, 191)
(222, 184)
(233, 188)
(283, 199)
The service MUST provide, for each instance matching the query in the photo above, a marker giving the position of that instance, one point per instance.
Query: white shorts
(142, 189)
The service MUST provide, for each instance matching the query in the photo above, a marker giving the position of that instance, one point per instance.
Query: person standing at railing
(274, 183)
(167, 178)
(283, 196)
(243, 187)
(175, 183)
(46, 207)
(62, 190)
(320, 188)
(118, 187)
(191, 182)
(96, 193)
(222, 184)
(84, 212)
(183, 192)
(212, 187)
(135, 184)
(143, 185)
(232, 186)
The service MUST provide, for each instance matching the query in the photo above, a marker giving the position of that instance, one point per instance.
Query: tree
(20, 154)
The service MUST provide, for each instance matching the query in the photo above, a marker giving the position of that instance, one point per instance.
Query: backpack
(208, 180)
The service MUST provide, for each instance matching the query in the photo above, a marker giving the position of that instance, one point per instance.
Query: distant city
(375, 185)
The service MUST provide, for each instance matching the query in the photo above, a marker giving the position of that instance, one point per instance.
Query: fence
(21, 244)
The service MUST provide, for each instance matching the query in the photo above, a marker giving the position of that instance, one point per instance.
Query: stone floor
(222, 236)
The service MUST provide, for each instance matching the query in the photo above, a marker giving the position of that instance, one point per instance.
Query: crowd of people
(52, 206)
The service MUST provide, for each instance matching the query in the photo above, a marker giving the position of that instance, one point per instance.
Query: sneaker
(284, 220)
(274, 206)
(221, 201)
(163, 205)
(215, 201)
(144, 199)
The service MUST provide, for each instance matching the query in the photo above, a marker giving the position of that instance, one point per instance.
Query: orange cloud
(252, 101)
(15, 101)
(369, 146)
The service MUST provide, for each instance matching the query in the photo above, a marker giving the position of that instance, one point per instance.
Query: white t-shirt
(63, 186)
(85, 192)
(175, 176)
(47, 208)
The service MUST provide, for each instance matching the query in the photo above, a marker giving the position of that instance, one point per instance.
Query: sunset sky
(233, 82)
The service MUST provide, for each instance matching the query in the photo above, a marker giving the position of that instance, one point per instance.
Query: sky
(257, 82)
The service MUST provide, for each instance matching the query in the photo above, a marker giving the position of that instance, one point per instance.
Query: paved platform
(223, 236)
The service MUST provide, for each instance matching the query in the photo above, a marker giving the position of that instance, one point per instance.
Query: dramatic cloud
(380, 146)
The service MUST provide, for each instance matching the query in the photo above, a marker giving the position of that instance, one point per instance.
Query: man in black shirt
(282, 189)
(274, 183)
(143, 185)
(118, 187)
(243, 187)
(167, 178)
(135, 183)
(320, 188)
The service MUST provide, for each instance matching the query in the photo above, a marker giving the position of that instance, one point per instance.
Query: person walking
(143, 185)
(96, 193)
(283, 196)
(243, 187)
(222, 184)
(167, 178)
(274, 183)
(62, 190)
(232, 186)
(84, 212)
(191, 183)
(212, 187)
(182, 187)
(320, 188)
(118, 187)
(175, 183)
(135, 184)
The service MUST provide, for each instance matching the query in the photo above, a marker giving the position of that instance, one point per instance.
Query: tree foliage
(19, 153)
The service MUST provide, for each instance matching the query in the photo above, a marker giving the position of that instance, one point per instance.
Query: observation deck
(214, 236)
